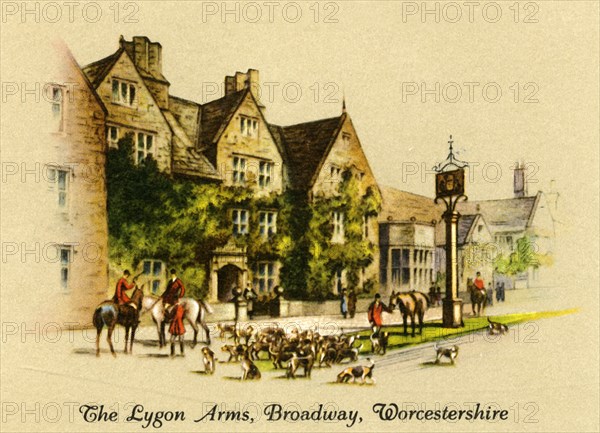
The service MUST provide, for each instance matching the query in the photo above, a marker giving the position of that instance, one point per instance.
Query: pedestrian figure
(438, 297)
(344, 303)
(352, 300)
(490, 294)
(375, 314)
(177, 328)
(498, 292)
(502, 291)
(250, 295)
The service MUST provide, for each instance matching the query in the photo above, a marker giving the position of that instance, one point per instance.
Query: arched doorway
(229, 277)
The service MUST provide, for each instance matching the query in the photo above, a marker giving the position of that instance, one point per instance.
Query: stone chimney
(519, 183)
(147, 57)
(241, 80)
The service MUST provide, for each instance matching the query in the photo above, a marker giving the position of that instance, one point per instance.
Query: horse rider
(479, 284)
(120, 297)
(374, 314)
(175, 290)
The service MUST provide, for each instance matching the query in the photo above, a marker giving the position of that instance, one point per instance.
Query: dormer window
(123, 92)
(248, 126)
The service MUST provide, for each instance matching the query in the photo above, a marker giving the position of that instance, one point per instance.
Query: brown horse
(110, 314)
(411, 304)
(478, 297)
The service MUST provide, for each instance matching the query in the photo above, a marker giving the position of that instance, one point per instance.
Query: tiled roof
(97, 71)
(186, 159)
(217, 114)
(510, 214)
(400, 205)
(307, 145)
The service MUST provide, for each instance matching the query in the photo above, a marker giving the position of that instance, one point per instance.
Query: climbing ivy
(181, 222)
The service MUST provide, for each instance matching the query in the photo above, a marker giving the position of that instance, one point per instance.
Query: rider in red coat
(479, 284)
(375, 311)
(120, 297)
(175, 290)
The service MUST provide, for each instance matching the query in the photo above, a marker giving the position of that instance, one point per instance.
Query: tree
(520, 260)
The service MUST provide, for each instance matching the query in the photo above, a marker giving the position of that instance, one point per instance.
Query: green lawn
(433, 330)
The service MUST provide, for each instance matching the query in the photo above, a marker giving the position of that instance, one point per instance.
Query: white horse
(195, 314)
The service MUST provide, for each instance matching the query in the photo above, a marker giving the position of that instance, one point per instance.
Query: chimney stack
(520, 184)
(146, 55)
(241, 80)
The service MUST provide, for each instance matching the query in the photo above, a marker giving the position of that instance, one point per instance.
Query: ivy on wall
(181, 222)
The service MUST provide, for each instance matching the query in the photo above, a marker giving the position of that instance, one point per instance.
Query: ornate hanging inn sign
(449, 183)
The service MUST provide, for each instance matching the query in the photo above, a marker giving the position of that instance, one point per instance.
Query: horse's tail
(104, 315)
(207, 307)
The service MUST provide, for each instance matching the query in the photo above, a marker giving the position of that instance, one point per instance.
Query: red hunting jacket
(175, 290)
(177, 327)
(375, 313)
(120, 297)
(479, 283)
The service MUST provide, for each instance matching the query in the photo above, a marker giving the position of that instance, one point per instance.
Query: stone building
(407, 239)
(228, 141)
(62, 262)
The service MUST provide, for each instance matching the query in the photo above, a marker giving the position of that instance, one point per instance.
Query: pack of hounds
(300, 351)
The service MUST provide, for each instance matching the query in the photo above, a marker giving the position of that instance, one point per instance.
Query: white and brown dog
(496, 327)
(448, 352)
(361, 372)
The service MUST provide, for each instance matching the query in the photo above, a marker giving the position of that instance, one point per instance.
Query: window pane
(115, 90)
(62, 180)
(147, 266)
(131, 94)
(64, 256)
(62, 199)
(140, 141)
(64, 277)
(155, 286)
(157, 268)
(123, 92)
(149, 142)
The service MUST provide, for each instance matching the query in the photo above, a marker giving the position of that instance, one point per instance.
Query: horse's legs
(111, 328)
(412, 323)
(98, 332)
(405, 320)
(206, 330)
(195, 327)
(133, 329)
(421, 314)
(126, 337)
(160, 345)
(162, 336)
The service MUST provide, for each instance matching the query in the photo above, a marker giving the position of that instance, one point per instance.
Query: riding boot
(172, 349)
(181, 345)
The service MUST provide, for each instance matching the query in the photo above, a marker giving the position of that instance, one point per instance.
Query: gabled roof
(217, 114)
(466, 226)
(503, 215)
(400, 205)
(307, 145)
(97, 71)
(186, 159)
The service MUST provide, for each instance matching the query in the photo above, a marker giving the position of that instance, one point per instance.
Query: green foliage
(310, 270)
(521, 259)
(181, 222)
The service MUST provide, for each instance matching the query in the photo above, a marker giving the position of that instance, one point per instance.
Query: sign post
(450, 188)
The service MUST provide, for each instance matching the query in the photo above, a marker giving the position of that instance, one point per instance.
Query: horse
(109, 314)
(194, 312)
(411, 304)
(478, 297)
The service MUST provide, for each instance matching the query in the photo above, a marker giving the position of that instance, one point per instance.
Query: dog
(449, 352)
(249, 370)
(235, 352)
(226, 329)
(379, 343)
(208, 357)
(306, 362)
(247, 334)
(496, 327)
(350, 352)
(361, 372)
(326, 355)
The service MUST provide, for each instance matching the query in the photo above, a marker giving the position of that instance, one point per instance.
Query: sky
(409, 82)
